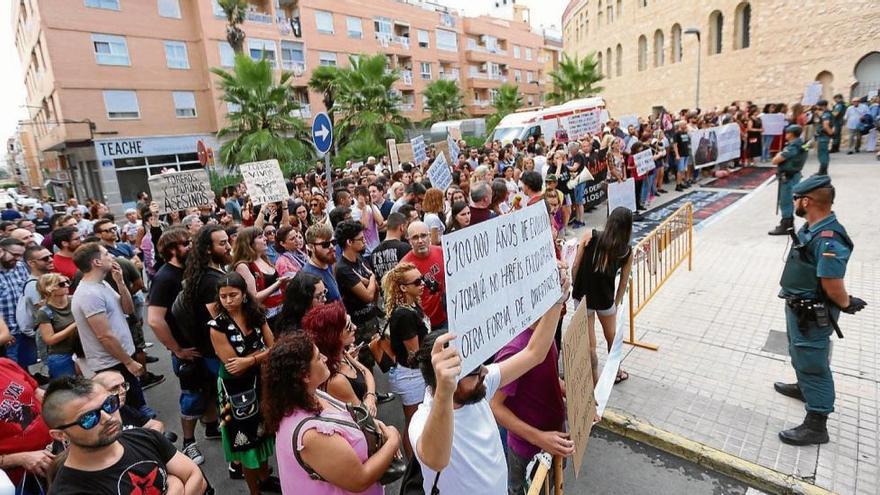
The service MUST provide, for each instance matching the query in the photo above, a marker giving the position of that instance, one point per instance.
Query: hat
(551, 178)
(822, 103)
(811, 184)
(131, 210)
(794, 129)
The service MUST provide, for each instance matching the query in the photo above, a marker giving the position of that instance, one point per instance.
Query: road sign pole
(327, 171)
(322, 137)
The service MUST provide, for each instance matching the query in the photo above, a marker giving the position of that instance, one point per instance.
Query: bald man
(115, 383)
(429, 261)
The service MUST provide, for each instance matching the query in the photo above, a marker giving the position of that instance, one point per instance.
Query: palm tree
(262, 126)
(506, 101)
(235, 11)
(324, 80)
(575, 79)
(443, 101)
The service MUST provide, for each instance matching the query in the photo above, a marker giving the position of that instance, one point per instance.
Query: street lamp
(696, 32)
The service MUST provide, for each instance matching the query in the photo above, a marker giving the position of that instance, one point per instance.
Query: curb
(748, 472)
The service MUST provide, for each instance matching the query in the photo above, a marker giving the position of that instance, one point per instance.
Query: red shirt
(21, 419)
(64, 265)
(432, 268)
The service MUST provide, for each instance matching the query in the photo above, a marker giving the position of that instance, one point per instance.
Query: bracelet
(370, 393)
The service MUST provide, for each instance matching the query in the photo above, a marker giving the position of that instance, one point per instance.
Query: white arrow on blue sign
(322, 133)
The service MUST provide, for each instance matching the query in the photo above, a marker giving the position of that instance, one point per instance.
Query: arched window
(643, 53)
(608, 62)
(599, 65)
(609, 13)
(676, 43)
(618, 56)
(619, 9)
(827, 79)
(658, 48)
(716, 32)
(599, 16)
(742, 26)
(867, 72)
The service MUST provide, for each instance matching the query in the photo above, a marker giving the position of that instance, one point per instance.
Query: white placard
(773, 124)
(176, 191)
(644, 162)
(584, 123)
(356, 166)
(264, 181)
(439, 173)
(715, 144)
(454, 150)
(628, 120)
(622, 194)
(420, 151)
(812, 93)
(501, 277)
(604, 117)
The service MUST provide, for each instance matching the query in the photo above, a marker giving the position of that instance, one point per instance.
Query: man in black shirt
(42, 224)
(103, 458)
(358, 285)
(390, 251)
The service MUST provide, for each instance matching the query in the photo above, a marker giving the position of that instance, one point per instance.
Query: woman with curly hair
(407, 328)
(319, 450)
(333, 332)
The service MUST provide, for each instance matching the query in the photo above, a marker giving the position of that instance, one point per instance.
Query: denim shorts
(60, 365)
(579, 194)
(194, 403)
(408, 384)
(683, 164)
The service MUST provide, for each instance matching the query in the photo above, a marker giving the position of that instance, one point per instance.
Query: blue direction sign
(322, 133)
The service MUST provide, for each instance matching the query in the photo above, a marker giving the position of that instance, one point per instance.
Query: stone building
(759, 50)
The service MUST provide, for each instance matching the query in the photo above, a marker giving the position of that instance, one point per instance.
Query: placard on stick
(391, 145)
(439, 173)
(264, 181)
(579, 400)
(405, 152)
(176, 191)
(644, 161)
(419, 150)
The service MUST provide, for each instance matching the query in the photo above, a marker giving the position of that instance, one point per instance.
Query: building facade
(119, 90)
(758, 50)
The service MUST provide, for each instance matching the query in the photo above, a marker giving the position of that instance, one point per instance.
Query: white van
(543, 122)
(467, 127)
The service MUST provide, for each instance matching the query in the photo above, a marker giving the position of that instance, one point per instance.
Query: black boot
(789, 390)
(782, 228)
(811, 431)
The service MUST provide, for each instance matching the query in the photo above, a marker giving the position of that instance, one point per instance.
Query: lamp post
(696, 32)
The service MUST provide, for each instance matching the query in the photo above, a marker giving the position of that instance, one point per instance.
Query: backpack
(184, 317)
(413, 481)
(866, 124)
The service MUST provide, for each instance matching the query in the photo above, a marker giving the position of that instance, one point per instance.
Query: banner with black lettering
(595, 193)
(264, 181)
(176, 191)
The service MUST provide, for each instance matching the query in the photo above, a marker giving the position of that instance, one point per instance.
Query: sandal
(621, 376)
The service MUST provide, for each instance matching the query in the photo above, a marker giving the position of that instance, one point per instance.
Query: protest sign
(176, 191)
(454, 150)
(812, 93)
(773, 124)
(356, 166)
(439, 173)
(604, 117)
(584, 123)
(622, 194)
(264, 181)
(419, 150)
(628, 120)
(405, 152)
(454, 132)
(501, 277)
(715, 144)
(595, 192)
(391, 145)
(644, 161)
(580, 402)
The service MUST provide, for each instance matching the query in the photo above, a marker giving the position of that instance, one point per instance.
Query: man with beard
(428, 260)
(454, 432)
(13, 276)
(813, 288)
(39, 261)
(174, 246)
(322, 257)
(66, 239)
(102, 458)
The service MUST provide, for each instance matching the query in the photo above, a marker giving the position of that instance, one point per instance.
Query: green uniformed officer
(789, 163)
(824, 132)
(812, 285)
(837, 113)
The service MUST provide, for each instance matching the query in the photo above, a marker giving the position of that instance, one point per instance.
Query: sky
(544, 12)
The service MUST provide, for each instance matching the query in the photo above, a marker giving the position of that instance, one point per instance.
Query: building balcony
(59, 134)
(259, 17)
(449, 76)
(405, 107)
(297, 68)
(406, 77)
(304, 112)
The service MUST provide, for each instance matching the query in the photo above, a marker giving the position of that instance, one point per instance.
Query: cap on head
(794, 129)
(811, 184)
(550, 178)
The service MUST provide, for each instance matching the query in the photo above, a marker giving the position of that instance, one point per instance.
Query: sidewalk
(722, 343)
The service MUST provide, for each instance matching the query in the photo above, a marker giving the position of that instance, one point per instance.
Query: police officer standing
(837, 113)
(824, 132)
(789, 163)
(812, 285)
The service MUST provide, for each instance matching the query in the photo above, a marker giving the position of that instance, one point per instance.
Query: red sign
(203, 153)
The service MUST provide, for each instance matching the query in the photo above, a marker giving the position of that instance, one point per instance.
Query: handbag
(382, 352)
(243, 404)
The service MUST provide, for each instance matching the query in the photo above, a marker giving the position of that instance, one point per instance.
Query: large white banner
(439, 173)
(773, 124)
(584, 123)
(812, 93)
(420, 151)
(501, 277)
(715, 145)
(644, 162)
(264, 181)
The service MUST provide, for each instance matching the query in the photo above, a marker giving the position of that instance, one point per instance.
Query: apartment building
(119, 90)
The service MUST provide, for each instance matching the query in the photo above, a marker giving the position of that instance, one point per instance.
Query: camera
(432, 285)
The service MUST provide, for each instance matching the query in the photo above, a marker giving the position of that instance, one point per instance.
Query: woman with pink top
(319, 449)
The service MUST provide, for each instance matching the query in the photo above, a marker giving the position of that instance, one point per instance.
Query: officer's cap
(811, 184)
(822, 103)
(794, 129)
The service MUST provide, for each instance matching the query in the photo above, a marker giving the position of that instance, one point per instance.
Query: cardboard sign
(579, 400)
(440, 174)
(644, 162)
(584, 123)
(501, 277)
(628, 120)
(773, 124)
(419, 150)
(391, 145)
(176, 191)
(715, 145)
(622, 194)
(812, 93)
(404, 153)
(264, 181)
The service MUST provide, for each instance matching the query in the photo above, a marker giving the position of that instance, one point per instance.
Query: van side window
(535, 131)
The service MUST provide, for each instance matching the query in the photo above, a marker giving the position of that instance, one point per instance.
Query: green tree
(324, 80)
(235, 11)
(506, 101)
(575, 78)
(262, 126)
(443, 101)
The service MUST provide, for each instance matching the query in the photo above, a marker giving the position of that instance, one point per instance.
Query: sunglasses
(325, 244)
(417, 282)
(64, 284)
(90, 419)
(46, 258)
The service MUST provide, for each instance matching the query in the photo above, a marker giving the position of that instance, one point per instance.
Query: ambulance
(544, 121)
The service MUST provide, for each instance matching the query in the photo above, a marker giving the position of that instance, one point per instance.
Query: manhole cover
(777, 343)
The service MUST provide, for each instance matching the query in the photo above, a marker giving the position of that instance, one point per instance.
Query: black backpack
(413, 483)
(184, 318)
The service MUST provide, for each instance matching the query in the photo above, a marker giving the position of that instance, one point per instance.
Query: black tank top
(597, 286)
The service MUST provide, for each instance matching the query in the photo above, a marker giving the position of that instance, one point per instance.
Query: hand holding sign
(447, 365)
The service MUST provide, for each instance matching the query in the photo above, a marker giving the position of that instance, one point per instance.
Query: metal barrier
(655, 258)
(541, 478)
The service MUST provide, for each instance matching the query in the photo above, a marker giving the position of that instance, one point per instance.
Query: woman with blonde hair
(249, 259)
(56, 325)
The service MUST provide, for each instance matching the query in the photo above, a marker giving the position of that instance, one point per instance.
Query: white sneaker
(192, 451)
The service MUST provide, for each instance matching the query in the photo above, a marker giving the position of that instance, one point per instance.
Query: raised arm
(434, 446)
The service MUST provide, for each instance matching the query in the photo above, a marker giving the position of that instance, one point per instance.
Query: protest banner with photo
(715, 145)
(264, 181)
(584, 123)
(454, 132)
(391, 146)
(622, 194)
(773, 124)
(453, 149)
(439, 173)
(176, 191)
(628, 120)
(419, 150)
(644, 162)
(595, 193)
(580, 402)
(812, 93)
(501, 277)
(405, 153)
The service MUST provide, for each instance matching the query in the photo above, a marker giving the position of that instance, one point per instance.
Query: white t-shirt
(432, 220)
(477, 464)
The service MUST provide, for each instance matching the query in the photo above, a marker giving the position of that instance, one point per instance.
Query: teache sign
(501, 277)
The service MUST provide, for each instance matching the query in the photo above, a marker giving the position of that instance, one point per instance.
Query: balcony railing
(401, 40)
(304, 112)
(261, 17)
(473, 46)
(298, 68)
(449, 76)
(405, 107)
(406, 77)
(481, 103)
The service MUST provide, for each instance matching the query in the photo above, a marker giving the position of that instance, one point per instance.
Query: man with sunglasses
(789, 163)
(322, 257)
(39, 261)
(114, 383)
(429, 261)
(104, 458)
(13, 275)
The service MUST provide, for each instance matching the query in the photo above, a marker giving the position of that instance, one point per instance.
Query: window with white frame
(528, 53)
(110, 50)
(103, 4)
(424, 38)
(227, 54)
(324, 21)
(259, 49)
(327, 58)
(184, 104)
(530, 76)
(425, 70)
(446, 40)
(175, 55)
(516, 51)
(354, 27)
(121, 104)
(517, 75)
(383, 26)
(293, 55)
(169, 8)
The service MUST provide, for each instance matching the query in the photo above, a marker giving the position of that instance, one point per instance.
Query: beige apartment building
(758, 50)
(118, 90)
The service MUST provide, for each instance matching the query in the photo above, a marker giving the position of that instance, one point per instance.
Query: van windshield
(506, 134)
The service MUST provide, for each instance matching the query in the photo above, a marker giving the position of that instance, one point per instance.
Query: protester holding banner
(428, 260)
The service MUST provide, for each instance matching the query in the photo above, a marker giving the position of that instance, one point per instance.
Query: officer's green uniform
(825, 250)
(838, 109)
(823, 141)
(790, 174)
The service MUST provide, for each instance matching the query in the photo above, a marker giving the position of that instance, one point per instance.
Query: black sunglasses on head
(90, 419)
